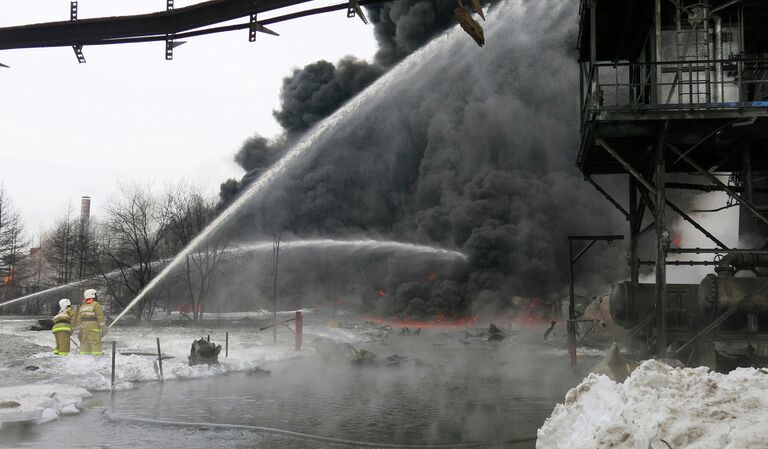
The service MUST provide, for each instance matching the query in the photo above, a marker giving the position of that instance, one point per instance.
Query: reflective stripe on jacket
(90, 312)
(62, 327)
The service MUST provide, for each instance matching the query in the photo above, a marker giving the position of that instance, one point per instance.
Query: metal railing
(690, 84)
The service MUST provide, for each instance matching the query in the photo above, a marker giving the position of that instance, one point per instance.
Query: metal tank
(719, 293)
(696, 305)
(628, 312)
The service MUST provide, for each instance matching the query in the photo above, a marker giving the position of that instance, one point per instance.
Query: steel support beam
(634, 266)
(77, 48)
(169, 36)
(662, 237)
(608, 197)
(645, 230)
(153, 26)
(696, 225)
(719, 183)
(655, 192)
(591, 239)
(627, 166)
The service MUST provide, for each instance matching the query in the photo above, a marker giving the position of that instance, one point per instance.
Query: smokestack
(85, 218)
(85, 213)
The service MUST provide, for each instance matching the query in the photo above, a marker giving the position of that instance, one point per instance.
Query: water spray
(370, 244)
(288, 161)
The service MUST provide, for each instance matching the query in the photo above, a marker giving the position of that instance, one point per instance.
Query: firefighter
(91, 320)
(63, 322)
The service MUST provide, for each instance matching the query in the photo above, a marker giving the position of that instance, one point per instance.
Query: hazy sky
(69, 129)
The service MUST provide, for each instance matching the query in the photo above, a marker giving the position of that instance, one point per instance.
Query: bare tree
(61, 248)
(189, 213)
(275, 218)
(130, 250)
(12, 242)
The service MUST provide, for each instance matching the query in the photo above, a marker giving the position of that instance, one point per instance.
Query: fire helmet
(91, 293)
(64, 303)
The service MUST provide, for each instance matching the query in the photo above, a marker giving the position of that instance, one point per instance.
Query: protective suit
(63, 323)
(91, 319)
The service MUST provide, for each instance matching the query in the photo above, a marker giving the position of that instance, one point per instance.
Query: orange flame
(440, 321)
(8, 279)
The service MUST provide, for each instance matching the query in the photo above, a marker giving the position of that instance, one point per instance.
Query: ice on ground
(39, 403)
(686, 408)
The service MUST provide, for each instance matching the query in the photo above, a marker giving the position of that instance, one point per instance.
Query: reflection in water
(457, 393)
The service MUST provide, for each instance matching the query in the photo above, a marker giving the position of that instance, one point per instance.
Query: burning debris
(365, 357)
(42, 325)
(495, 333)
(204, 352)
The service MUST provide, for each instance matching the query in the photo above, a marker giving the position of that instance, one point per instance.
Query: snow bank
(687, 408)
(39, 403)
(248, 350)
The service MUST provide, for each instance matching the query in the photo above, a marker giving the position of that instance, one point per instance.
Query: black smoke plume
(462, 147)
(315, 91)
(403, 26)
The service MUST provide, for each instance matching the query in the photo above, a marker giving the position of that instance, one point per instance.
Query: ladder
(692, 50)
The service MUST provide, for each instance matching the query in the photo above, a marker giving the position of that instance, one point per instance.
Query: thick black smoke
(403, 26)
(259, 153)
(462, 147)
(315, 91)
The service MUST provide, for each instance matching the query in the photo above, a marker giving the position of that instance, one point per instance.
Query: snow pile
(39, 403)
(686, 408)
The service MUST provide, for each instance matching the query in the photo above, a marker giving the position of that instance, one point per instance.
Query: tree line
(140, 231)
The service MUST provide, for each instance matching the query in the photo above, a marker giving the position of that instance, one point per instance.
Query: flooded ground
(444, 389)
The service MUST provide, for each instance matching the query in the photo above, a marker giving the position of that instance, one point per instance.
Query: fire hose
(306, 436)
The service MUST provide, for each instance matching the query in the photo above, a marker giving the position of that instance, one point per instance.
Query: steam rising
(459, 146)
(474, 149)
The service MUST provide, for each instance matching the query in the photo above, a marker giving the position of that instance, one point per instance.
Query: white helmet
(64, 303)
(91, 293)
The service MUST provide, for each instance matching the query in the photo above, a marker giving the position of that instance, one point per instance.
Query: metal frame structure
(173, 23)
(572, 318)
(661, 95)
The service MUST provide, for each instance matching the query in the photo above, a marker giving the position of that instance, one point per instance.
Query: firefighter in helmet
(91, 320)
(63, 322)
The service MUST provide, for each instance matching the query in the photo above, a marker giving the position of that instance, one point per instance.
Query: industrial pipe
(627, 310)
(732, 263)
(699, 303)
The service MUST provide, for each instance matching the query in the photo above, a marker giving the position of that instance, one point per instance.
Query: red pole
(299, 330)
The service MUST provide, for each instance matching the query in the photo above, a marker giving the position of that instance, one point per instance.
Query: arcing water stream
(291, 159)
(366, 244)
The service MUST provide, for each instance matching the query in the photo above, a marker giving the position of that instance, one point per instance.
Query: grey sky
(70, 129)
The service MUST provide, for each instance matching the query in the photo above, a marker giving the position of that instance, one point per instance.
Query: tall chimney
(85, 213)
(85, 218)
